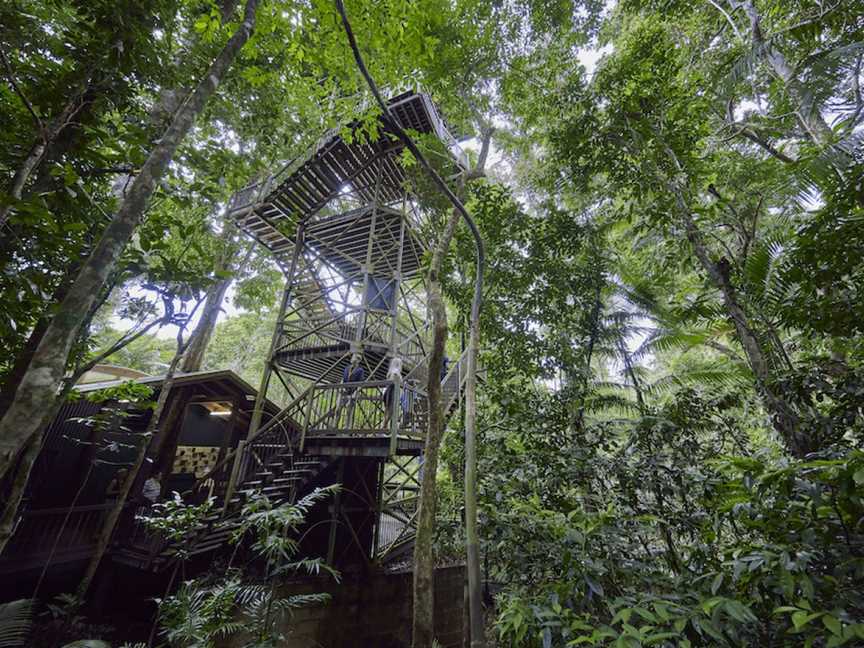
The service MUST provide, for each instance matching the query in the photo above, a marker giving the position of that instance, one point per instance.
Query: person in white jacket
(152, 488)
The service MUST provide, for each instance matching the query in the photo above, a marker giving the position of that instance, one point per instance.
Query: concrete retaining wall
(374, 611)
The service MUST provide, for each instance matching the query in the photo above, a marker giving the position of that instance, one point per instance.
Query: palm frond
(721, 375)
(610, 404)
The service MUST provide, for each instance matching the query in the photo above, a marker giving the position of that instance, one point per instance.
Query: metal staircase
(343, 225)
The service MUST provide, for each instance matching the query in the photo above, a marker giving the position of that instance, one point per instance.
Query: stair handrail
(230, 456)
(461, 376)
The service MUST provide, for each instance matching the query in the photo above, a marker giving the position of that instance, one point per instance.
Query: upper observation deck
(337, 174)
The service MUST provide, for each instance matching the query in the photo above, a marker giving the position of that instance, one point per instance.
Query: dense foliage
(672, 401)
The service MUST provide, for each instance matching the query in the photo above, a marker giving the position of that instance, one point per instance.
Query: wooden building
(74, 481)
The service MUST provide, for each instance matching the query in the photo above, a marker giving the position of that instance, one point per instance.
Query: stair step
(297, 472)
(287, 480)
(277, 491)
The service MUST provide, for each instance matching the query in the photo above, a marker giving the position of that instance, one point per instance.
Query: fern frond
(301, 600)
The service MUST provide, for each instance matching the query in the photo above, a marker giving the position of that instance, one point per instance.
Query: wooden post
(334, 518)
(395, 413)
(229, 433)
(235, 473)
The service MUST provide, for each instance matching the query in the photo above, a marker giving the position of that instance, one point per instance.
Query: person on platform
(354, 372)
(394, 377)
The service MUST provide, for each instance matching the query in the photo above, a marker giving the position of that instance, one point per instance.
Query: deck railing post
(395, 413)
(235, 473)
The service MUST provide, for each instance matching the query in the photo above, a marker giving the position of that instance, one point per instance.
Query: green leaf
(645, 614)
(661, 611)
(657, 638)
(785, 608)
(801, 619)
(833, 624)
(739, 612)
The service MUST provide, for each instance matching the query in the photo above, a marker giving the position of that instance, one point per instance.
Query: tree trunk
(25, 355)
(589, 353)
(783, 416)
(424, 559)
(631, 373)
(38, 388)
(22, 360)
(194, 357)
(16, 487)
(151, 445)
(423, 618)
(35, 155)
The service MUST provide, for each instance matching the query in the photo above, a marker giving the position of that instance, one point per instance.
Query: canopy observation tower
(351, 340)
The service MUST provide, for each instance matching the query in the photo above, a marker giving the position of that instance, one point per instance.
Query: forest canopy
(670, 405)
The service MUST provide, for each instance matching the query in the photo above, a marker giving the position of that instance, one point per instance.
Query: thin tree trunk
(423, 618)
(589, 353)
(25, 355)
(784, 417)
(20, 471)
(201, 336)
(194, 357)
(36, 154)
(151, 444)
(631, 373)
(25, 419)
(17, 488)
(22, 360)
(423, 624)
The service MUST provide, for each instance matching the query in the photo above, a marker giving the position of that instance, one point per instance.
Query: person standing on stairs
(353, 373)
(152, 489)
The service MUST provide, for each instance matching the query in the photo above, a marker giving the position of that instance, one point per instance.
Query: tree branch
(750, 133)
(123, 341)
(10, 74)
(728, 19)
